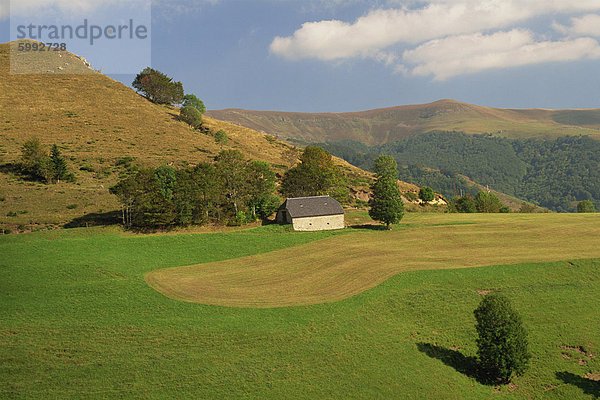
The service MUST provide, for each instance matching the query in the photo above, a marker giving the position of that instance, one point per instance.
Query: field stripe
(339, 267)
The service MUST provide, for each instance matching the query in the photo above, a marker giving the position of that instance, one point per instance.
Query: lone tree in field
(586, 206)
(426, 194)
(386, 203)
(158, 87)
(502, 339)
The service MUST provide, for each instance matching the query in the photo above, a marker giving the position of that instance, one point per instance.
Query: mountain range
(386, 125)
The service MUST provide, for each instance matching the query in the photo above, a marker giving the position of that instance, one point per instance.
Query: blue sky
(334, 56)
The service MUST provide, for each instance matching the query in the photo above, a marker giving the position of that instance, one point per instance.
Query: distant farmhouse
(312, 213)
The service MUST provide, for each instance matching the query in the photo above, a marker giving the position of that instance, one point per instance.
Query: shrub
(527, 208)
(487, 202)
(87, 167)
(465, 204)
(426, 194)
(585, 206)
(502, 339)
(193, 101)
(221, 137)
(191, 116)
(410, 196)
(72, 206)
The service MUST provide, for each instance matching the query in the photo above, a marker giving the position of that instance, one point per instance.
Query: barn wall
(319, 223)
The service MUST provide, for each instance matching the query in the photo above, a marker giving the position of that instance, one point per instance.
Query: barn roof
(314, 206)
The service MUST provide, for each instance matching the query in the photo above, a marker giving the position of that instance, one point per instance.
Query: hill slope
(389, 124)
(96, 122)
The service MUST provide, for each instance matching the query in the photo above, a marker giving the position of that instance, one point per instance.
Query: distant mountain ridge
(386, 125)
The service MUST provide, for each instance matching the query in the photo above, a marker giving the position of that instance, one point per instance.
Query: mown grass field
(335, 269)
(77, 319)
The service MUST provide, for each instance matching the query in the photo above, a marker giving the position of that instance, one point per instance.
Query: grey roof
(314, 206)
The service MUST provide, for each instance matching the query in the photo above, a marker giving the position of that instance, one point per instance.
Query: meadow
(78, 320)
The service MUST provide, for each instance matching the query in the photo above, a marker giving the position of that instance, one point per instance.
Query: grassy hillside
(389, 124)
(77, 319)
(97, 121)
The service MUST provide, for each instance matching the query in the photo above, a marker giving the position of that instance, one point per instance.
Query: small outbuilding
(314, 213)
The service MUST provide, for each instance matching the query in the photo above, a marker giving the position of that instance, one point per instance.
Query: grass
(77, 319)
(98, 122)
(343, 266)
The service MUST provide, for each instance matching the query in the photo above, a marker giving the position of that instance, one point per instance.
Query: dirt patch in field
(578, 349)
(593, 376)
(484, 292)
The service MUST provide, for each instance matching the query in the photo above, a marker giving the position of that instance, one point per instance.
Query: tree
(191, 116)
(166, 180)
(316, 175)
(465, 204)
(386, 203)
(209, 195)
(158, 87)
(32, 154)
(261, 185)
(586, 206)
(502, 339)
(426, 194)
(190, 100)
(58, 165)
(231, 167)
(487, 202)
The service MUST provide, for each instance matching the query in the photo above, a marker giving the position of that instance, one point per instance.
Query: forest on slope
(551, 173)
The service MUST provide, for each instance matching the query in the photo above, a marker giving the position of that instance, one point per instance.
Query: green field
(78, 320)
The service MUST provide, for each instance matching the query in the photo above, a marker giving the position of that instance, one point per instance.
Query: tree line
(231, 190)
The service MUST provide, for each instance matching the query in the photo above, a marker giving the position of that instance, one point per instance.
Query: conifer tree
(386, 203)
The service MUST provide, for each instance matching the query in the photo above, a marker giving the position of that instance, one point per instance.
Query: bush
(586, 206)
(465, 204)
(410, 196)
(502, 339)
(221, 137)
(87, 167)
(191, 116)
(527, 208)
(193, 101)
(426, 194)
(487, 202)
(72, 206)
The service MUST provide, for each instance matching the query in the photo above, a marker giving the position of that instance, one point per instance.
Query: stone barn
(312, 213)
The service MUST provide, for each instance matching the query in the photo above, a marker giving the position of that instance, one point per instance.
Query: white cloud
(587, 25)
(379, 29)
(448, 57)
